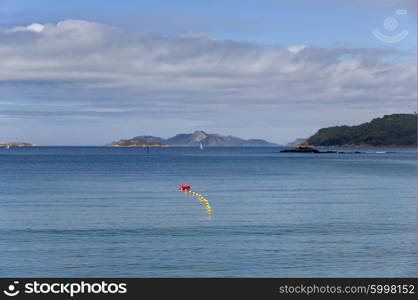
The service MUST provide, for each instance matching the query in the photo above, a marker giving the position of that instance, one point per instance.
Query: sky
(86, 72)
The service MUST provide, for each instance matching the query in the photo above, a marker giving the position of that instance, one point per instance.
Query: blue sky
(94, 71)
(271, 22)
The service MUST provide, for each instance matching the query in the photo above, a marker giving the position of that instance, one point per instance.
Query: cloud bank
(97, 55)
(81, 68)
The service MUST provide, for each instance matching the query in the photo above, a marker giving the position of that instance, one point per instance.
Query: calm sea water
(94, 211)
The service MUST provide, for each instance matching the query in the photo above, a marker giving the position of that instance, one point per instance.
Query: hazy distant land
(16, 144)
(396, 130)
(196, 138)
(130, 143)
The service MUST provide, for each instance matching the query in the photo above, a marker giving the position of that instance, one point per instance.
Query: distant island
(391, 130)
(16, 144)
(131, 143)
(199, 137)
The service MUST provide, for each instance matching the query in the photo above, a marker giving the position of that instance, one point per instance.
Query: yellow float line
(202, 199)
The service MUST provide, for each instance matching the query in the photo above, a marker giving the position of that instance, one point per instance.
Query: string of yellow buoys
(204, 200)
(187, 189)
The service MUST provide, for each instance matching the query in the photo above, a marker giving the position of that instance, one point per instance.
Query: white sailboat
(201, 146)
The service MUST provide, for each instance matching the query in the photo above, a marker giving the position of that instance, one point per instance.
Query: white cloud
(95, 55)
(35, 27)
(296, 48)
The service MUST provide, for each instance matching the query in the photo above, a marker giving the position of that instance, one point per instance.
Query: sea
(117, 212)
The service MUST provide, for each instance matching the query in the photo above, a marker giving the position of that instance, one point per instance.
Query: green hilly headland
(390, 130)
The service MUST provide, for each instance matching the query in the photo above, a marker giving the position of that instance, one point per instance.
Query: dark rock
(301, 149)
(307, 149)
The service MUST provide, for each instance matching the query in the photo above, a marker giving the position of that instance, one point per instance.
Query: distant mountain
(206, 139)
(296, 142)
(148, 138)
(391, 130)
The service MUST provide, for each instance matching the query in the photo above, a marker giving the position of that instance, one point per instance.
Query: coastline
(134, 146)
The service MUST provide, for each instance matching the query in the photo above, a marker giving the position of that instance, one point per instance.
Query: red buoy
(185, 187)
